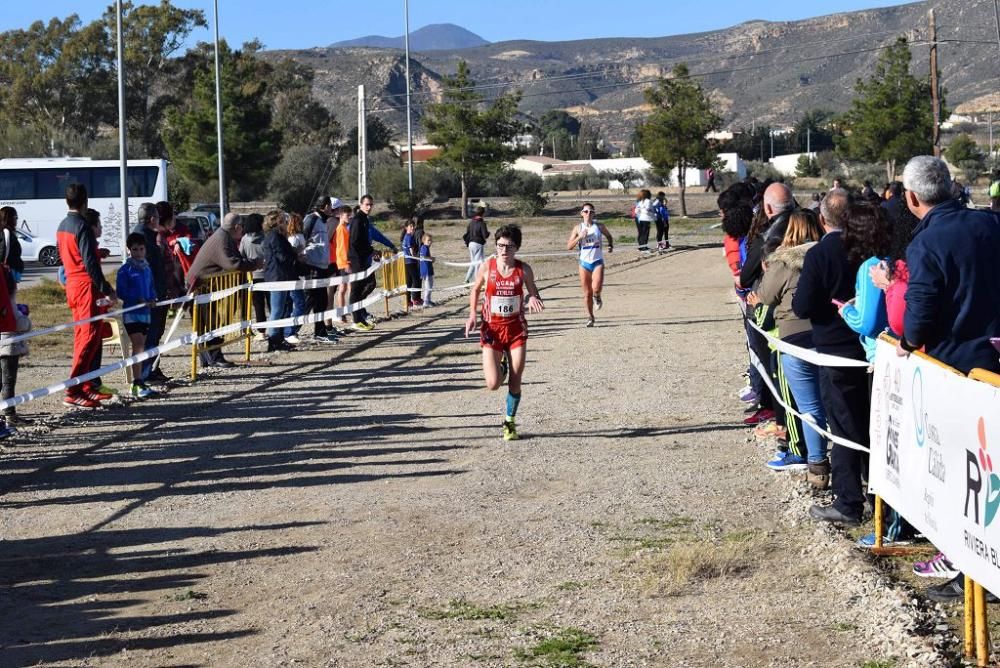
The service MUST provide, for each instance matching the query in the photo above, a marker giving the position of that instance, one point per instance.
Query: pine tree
(674, 134)
(890, 119)
(475, 138)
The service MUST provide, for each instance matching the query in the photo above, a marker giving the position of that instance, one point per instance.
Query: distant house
(786, 163)
(548, 167)
(421, 152)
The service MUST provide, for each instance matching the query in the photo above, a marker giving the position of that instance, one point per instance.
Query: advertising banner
(933, 436)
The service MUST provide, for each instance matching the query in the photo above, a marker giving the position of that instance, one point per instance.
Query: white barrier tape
(806, 418)
(314, 283)
(338, 312)
(807, 355)
(221, 294)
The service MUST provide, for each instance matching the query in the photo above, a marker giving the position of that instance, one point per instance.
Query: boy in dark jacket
(135, 287)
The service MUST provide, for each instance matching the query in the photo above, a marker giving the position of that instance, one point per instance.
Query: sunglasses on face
(587, 211)
(506, 246)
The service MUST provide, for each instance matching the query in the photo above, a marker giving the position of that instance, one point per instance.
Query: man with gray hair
(828, 276)
(953, 297)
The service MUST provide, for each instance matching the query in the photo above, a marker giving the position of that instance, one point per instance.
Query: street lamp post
(218, 118)
(122, 131)
(409, 122)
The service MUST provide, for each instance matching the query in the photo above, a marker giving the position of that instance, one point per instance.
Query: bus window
(107, 182)
(52, 183)
(17, 184)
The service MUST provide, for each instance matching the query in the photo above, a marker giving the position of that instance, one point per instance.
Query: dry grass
(685, 564)
(47, 300)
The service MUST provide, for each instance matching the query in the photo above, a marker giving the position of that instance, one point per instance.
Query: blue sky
(284, 24)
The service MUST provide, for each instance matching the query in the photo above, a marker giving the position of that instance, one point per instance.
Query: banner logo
(977, 467)
(917, 399)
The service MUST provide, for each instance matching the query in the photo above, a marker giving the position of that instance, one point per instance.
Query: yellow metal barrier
(228, 310)
(392, 276)
(976, 620)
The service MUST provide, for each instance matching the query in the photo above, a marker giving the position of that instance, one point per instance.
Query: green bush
(302, 175)
(807, 166)
(529, 204)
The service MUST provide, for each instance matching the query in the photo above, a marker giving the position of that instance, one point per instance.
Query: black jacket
(359, 245)
(477, 232)
(827, 275)
(953, 295)
(12, 254)
(279, 258)
(155, 259)
(753, 268)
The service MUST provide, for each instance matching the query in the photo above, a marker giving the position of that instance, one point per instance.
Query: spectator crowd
(828, 279)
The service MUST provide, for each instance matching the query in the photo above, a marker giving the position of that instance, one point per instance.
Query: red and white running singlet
(504, 326)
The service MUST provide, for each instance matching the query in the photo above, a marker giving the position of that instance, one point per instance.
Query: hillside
(438, 36)
(768, 72)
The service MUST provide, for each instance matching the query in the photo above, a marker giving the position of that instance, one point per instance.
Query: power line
(642, 82)
(600, 73)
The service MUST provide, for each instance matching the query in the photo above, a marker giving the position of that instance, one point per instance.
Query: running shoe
(259, 335)
(363, 326)
(97, 395)
(590, 322)
(292, 340)
(17, 419)
(778, 455)
(867, 541)
(761, 415)
(140, 391)
(80, 401)
(937, 566)
(747, 395)
(769, 429)
(509, 431)
(156, 376)
(371, 319)
(598, 302)
(104, 389)
(790, 462)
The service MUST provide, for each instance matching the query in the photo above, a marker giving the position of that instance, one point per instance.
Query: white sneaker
(293, 340)
(259, 335)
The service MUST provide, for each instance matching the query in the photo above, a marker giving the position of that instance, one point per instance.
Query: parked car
(200, 224)
(38, 249)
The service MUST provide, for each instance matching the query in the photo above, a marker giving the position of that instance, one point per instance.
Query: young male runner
(504, 330)
(587, 237)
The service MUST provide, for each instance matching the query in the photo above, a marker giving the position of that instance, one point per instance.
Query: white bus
(36, 187)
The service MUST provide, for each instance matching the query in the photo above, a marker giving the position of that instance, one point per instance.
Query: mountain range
(758, 72)
(434, 37)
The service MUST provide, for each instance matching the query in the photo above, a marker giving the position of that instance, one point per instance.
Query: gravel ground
(353, 505)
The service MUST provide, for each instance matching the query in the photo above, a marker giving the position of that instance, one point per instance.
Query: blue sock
(512, 402)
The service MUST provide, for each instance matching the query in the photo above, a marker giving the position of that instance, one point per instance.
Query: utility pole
(771, 135)
(362, 144)
(218, 118)
(808, 140)
(996, 15)
(122, 133)
(762, 150)
(935, 104)
(409, 122)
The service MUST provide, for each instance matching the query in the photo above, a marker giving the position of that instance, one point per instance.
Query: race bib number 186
(505, 307)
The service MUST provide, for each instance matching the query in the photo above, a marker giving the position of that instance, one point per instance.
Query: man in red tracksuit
(85, 284)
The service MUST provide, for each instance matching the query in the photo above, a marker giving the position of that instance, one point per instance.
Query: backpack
(308, 224)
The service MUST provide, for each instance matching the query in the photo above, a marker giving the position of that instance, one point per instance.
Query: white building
(786, 163)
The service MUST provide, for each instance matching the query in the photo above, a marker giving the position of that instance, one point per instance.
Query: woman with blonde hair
(798, 380)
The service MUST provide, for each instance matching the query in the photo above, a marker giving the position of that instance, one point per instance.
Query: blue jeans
(278, 300)
(298, 307)
(803, 380)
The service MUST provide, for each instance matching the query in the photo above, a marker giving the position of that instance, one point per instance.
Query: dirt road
(354, 506)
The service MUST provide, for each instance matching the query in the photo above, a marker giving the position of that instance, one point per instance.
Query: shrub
(807, 166)
(302, 174)
(529, 204)
(764, 171)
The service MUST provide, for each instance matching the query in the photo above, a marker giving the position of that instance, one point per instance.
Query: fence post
(969, 645)
(194, 344)
(250, 315)
(982, 630)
